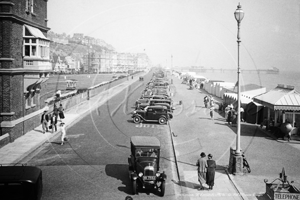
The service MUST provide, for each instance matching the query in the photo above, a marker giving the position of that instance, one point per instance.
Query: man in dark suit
(44, 121)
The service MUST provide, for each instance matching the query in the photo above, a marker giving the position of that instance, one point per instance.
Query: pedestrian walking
(211, 169)
(44, 121)
(230, 115)
(211, 101)
(226, 111)
(55, 110)
(61, 112)
(202, 165)
(242, 113)
(211, 112)
(53, 122)
(63, 133)
(206, 100)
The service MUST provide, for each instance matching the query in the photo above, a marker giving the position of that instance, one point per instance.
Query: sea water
(269, 81)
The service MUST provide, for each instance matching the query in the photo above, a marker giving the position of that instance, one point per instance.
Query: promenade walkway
(13, 153)
(195, 132)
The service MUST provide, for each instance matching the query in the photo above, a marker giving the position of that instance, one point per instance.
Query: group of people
(58, 112)
(231, 114)
(209, 102)
(206, 171)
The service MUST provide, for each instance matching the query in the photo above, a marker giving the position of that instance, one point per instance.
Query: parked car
(158, 114)
(144, 164)
(21, 182)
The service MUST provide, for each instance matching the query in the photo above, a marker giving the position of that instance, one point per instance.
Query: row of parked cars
(154, 105)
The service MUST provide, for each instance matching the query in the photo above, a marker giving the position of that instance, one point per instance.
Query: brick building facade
(24, 65)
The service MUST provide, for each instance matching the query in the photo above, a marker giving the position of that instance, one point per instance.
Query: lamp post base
(235, 163)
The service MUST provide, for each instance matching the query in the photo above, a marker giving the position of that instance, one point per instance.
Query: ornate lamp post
(239, 15)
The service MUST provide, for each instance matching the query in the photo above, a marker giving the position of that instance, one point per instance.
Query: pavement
(195, 132)
(13, 153)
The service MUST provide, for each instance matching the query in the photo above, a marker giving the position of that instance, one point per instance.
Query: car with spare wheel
(144, 169)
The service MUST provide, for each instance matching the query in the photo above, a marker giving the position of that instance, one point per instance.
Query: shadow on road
(262, 197)
(120, 172)
(187, 184)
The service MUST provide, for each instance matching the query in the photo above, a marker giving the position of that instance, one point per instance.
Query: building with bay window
(24, 66)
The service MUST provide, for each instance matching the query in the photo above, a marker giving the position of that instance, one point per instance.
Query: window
(27, 100)
(32, 101)
(29, 6)
(36, 45)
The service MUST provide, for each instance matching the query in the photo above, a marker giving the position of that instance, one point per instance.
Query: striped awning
(233, 96)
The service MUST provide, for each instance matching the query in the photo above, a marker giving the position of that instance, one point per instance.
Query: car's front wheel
(136, 119)
(162, 120)
(134, 187)
(162, 188)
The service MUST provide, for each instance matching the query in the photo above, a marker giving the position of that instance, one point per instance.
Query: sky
(184, 33)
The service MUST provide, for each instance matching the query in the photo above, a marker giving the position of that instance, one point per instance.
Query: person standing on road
(63, 133)
(210, 174)
(44, 121)
(202, 165)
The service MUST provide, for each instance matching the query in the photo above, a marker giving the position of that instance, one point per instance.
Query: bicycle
(246, 164)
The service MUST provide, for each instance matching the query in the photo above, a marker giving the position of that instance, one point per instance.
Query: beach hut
(254, 113)
(282, 103)
(224, 87)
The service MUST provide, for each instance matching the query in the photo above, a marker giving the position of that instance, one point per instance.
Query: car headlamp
(140, 174)
(157, 174)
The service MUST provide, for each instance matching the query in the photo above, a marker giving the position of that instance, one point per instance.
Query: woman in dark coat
(210, 173)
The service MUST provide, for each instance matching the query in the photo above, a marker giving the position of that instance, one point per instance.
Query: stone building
(24, 66)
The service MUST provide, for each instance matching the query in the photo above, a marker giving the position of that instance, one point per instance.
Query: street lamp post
(239, 15)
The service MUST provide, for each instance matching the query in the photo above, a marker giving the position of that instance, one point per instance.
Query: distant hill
(67, 49)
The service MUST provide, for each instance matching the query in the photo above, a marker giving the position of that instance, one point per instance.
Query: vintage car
(144, 164)
(21, 182)
(158, 114)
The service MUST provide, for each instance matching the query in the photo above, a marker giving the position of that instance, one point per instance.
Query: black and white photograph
(149, 99)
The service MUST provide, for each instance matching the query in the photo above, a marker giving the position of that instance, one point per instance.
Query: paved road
(93, 164)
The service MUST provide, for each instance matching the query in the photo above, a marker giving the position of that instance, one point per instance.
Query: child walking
(63, 132)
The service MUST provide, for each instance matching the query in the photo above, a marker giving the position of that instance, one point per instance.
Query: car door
(151, 114)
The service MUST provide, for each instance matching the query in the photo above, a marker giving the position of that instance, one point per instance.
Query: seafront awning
(280, 98)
